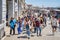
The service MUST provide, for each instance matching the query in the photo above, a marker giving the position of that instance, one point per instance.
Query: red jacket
(37, 23)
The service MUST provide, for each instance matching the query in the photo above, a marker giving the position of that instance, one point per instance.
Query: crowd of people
(32, 23)
(28, 22)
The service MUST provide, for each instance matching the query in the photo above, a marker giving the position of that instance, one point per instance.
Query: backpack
(12, 24)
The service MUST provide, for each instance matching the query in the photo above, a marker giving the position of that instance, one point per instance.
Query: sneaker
(40, 35)
(28, 37)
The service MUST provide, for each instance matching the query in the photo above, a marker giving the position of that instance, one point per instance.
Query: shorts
(54, 27)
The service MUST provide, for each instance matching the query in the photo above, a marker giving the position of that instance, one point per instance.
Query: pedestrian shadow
(24, 32)
(32, 35)
(50, 34)
(22, 37)
(7, 35)
(16, 34)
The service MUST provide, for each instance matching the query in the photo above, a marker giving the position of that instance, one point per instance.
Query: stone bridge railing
(2, 32)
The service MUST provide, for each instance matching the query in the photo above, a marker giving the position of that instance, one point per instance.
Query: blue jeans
(22, 27)
(28, 30)
(34, 29)
(28, 33)
(38, 29)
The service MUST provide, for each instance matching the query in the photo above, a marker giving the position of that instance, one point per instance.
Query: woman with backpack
(12, 26)
(41, 22)
(38, 28)
(27, 27)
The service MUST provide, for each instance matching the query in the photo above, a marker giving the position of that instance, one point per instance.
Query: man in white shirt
(54, 24)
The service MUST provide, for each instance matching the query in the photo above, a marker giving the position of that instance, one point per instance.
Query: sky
(45, 3)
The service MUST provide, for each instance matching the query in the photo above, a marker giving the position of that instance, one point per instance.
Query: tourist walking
(41, 22)
(38, 28)
(34, 25)
(22, 24)
(54, 24)
(12, 26)
(27, 27)
(19, 25)
(15, 21)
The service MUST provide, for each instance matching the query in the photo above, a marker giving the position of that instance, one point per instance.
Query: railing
(2, 32)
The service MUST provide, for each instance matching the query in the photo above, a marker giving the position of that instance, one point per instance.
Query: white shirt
(54, 22)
